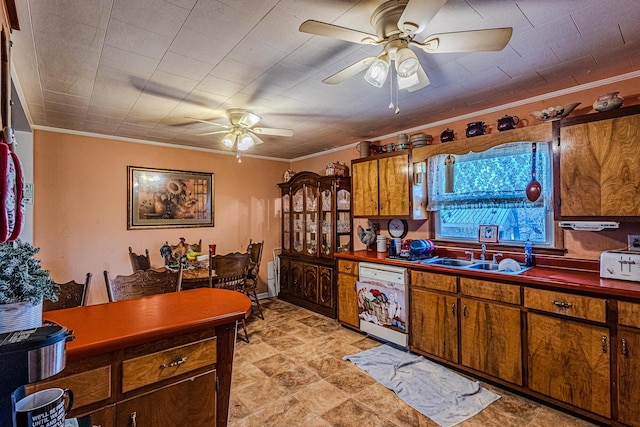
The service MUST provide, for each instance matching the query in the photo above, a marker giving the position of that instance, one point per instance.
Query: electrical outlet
(633, 242)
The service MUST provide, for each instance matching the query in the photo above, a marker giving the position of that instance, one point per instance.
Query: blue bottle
(528, 254)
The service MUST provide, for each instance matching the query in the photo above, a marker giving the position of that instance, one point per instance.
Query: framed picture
(488, 233)
(161, 198)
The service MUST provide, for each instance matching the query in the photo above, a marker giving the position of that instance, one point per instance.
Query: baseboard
(263, 295)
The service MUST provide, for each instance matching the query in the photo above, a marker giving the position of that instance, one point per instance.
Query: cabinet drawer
(87, 387)
(148, 369)
(629, 314)
(347, 267)
(440, 282)
(578, 306)
(490, 290)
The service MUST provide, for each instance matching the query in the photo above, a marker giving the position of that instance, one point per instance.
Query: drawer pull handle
(625, 348)
(453, 310)
(133, 419)
(174, 363)
(464, 310)
(561, 304)
(604, 343)
(347, 267)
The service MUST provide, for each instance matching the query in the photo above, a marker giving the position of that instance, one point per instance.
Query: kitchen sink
(494, 267)
(450, 262)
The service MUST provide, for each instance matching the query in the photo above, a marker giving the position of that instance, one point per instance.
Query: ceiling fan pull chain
(238, 156)
(391, 92)
(397, 98)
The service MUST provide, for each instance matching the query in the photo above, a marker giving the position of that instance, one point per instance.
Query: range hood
(589, 225)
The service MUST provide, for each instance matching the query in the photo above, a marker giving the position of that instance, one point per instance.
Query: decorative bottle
(529, 261)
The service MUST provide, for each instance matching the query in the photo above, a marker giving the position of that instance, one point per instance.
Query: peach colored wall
(579, 244)
(80, 205)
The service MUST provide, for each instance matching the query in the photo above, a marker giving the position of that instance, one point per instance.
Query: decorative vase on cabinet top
(608, 102)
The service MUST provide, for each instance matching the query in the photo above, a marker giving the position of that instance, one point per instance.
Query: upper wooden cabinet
(599, 175)
(9, 23)
(381, 186)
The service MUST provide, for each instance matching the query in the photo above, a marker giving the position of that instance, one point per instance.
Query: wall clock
(398, 228)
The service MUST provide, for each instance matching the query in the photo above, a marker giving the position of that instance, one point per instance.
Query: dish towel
(433, 390)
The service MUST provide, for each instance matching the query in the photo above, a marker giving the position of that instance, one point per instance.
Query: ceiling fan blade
(336, 32)
(213, 133)
(208, 122)
(417, 14)
(273, 131)
(414, 82)
(350, 71)
(467, 41)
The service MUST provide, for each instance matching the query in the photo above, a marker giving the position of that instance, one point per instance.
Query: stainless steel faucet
(495, 257)
(484, 251)
(470, 253)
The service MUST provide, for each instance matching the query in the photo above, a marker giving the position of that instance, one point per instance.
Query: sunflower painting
(168, 199)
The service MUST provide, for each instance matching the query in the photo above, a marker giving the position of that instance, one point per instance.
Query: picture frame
(164, 198)
(488, 233)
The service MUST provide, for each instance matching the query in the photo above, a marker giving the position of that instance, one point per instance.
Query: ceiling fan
(241, 131)
(396, 24)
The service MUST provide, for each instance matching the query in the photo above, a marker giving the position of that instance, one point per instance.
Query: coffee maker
(28, 356)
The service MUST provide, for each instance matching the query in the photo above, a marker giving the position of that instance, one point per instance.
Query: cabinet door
(191, 402)
(310, 283)
(394, 185)
(628, 377)
(490, 339)
(434, 324)
(570, 361)
(347, 300)
(364, 182)
(599, 175)
(285, 279)
(325, 287)
(297, 278)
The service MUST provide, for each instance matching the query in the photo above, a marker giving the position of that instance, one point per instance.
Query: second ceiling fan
(396, 24)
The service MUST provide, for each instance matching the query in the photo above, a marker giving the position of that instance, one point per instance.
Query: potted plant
(23, 286)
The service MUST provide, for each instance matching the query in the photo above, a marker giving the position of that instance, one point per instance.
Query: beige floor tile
(353, 413)
(320, 396)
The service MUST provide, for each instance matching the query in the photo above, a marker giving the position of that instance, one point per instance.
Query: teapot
(608, 102)
(507, 122)
(447, 135)
(475, 129)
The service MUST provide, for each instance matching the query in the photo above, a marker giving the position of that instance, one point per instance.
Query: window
(474, 189)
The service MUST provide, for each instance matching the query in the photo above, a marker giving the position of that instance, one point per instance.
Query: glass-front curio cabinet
(316, 223)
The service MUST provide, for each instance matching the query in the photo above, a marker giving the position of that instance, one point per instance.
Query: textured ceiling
(138, 68)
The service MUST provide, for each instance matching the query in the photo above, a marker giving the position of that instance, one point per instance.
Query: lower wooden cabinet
(491, 340)
(187, 403)
(308, 284)
(570, 361)
(434, 324)
(629, 376)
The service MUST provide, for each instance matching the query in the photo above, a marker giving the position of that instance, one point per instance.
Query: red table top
(111, 326)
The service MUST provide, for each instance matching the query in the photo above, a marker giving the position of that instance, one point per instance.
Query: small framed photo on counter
(488, 233)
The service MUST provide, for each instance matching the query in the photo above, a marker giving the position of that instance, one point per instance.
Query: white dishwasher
(383, 302)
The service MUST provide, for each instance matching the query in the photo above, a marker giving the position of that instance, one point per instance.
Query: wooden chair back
(139, 262)
(71, 294)
(255, 252)
(230, 270)
(142, 283)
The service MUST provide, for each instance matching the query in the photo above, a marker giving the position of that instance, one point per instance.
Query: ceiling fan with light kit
(397, 24)
(241, 131)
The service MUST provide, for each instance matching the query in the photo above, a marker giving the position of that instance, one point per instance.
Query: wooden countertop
(542, 276)
(112, 326)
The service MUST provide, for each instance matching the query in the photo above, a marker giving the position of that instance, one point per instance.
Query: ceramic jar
(608, 101)
(475, 129)
(507, 122)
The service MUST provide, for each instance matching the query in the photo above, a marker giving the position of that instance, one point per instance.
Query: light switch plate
(633, 242)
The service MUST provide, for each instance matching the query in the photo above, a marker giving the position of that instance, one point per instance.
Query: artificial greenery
(21, 277)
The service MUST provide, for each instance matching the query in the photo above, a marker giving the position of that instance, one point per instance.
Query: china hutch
(316, 223)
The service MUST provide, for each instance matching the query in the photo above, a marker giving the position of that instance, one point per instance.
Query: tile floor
(292, 374)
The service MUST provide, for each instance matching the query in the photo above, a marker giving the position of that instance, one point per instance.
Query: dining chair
(139, 262)
(71, 294)
(230, 272)
(255, 252)
(142, 283)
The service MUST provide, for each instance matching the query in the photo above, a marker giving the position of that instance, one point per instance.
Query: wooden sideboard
(160, 360)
